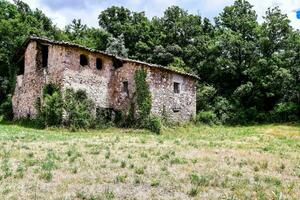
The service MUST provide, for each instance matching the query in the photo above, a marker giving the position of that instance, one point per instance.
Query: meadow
(200, 162)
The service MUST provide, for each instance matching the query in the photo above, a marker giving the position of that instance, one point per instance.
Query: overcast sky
(63, 11)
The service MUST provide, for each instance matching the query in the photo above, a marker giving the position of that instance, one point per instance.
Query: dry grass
(255, 162)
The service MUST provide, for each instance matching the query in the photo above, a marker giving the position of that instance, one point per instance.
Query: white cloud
(89, 10)
(287, 6)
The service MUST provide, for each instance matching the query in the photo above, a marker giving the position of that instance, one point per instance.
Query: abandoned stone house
(108, 80)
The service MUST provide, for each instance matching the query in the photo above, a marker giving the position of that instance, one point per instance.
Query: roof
(49, 41)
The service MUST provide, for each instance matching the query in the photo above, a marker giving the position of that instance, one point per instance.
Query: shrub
(207, 117)
(6, 109)
(153, 123)
(222, 109)
(106, 117)
(50, 108)
(205, 96)
(286, 111)
(78, 109)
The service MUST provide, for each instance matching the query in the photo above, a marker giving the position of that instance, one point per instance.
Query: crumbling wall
(177, 107)
(104, 86)
(64, 69)
(94, 81)
(28, 85)
(120, 99)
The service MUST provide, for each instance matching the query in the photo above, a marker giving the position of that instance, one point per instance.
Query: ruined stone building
(108, 80)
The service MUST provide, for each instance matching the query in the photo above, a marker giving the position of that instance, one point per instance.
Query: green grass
(201, 162)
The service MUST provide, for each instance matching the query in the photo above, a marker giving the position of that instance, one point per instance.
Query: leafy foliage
(79, 109)
(249, 71)
(143, 95)
(50, 107)
(139, 110)
(74, 110)
(116, 47)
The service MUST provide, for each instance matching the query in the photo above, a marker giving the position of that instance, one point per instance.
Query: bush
(53, 109)
(207, 117)
(6, 109)
(50, 108)
(222, 109)
(287, 111)
(78, 109)
(152, 123)
(106, 117)
(205, 97)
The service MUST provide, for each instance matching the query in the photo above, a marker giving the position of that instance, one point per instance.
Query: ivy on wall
(143, 95)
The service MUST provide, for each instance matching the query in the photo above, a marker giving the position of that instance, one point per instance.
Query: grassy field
(253, 162)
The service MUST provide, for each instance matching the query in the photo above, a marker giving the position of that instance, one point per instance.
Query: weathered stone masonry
(107, 79)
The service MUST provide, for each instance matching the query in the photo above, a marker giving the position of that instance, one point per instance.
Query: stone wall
(104, 86)
(28, 86)
(177, 107)
(89, 78)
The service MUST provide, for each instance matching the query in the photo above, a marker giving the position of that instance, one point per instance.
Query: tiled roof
(46, 40)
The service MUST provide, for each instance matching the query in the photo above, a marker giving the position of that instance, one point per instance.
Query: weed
(264, 164)
(202, 180)
(47, 176)
(6, 168)
(139, 170)
(164, 168)
(109, 194)
(20, 171)
(107, 154)
(121, 179)
(178, 160)
(193, 191)
(177, 142)
(74, 169)
(95, 151)
(237, 174)
(83, 196)
(281, 167)
(123, 164)
(272, 180)
(137, 180)
(48, 165)
(143, 141)
(73, 154)
(155, 183)
(144, 155)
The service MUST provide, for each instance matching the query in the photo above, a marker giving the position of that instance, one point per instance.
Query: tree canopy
(250, 71)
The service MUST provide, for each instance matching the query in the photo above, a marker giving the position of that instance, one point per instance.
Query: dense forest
(250, 71)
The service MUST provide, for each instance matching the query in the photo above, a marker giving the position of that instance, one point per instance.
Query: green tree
(117, 47)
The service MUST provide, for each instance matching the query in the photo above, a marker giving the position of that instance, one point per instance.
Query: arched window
(98, 63)
(83, 60)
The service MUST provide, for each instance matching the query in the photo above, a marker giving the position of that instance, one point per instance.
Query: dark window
(83, 60)
(99, 63)
(176, 109)
(125, 87)
(176, 88)
(21, 66)
(117, 63)
(44, 55)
